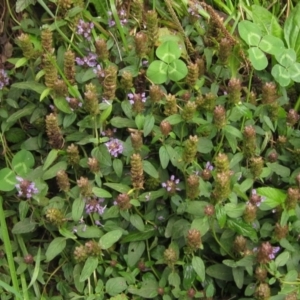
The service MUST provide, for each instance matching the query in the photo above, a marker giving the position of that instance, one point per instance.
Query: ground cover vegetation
(149, 149)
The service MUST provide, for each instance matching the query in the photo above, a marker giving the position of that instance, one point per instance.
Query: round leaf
(250, 33)
(271, 44)
(7, 180)
(157, 72)
(115, 286)
(22, 162)
(281, 75)
(257, 58)
(287, 57)
(168, 51)
(177, 70)
(294, 72)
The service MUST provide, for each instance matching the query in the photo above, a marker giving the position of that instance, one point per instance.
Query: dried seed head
(165, 128)
(93, 164)
(240, 244)
(73, 155)
(193, 190)
(55, 216)
(269, 93)
(101, 49)
(53, 132)
(219, 116)
(171, 105)
(261, 273)
(123, 202)
(85, 187)
(170, 257)
(137, 173)
(62, 180)
(292, 117)
(234, 90)
(193, 240)
(155, 93)
(69, 66)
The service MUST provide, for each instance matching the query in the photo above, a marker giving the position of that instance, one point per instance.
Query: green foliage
(162, 170)
(169, 67)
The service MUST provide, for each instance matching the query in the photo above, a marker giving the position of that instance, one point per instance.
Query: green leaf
(281, 75)
(196, 208)
(233, 131)
(137, 222)
(51, 157)
(150, 169)
(138, 236)
(107, 240)
(88, 232)
(258, 58)
(168, 51)
(135, 252)
(55, 247)
(242, 228)
(238, 276)
(234, 210)
(164, 157)
(119, 187)
(148, 289)
(85, 75)
(50, 173)
(20, 113)
(22, 162)
(157, 72)
(189, 275)
(174, 119)
(139, 121)
(266, 21)
(174, 279)
(273, 197)
(23, 4)
(105, 113)
(118, 167)
(294, 72)
(199, 267)
(148, 124)
(62, 104)
(177, 70)
(24, 226)
(204, 145)
(36, 270)
(30, 85)
(271, 44)
(249, 32)
(7, 180)
(77, 209)
(279, 169)
(291, 30)
(120, 122)
(115, 286)
(89, 267)
(220, 271)
(201, 224)
(180, 228)
(101, 193)
(286, 57)
(221, 215)
(282, 259)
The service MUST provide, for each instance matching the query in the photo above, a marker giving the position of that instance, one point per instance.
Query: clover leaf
(259, 44)
(169, 66)
(287, 68)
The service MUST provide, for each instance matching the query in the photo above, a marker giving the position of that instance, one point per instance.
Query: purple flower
(87, 61)
(171, 185)
(25, 188)
(93, 206)
(73, 103)
(255, 199)
(99, 71)
(115, 147)
(209, 166)
(85, 29)
(274, 251)
(3, 79)
(122, 17)
(136, 97)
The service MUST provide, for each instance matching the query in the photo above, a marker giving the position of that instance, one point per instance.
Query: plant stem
(8, 250)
